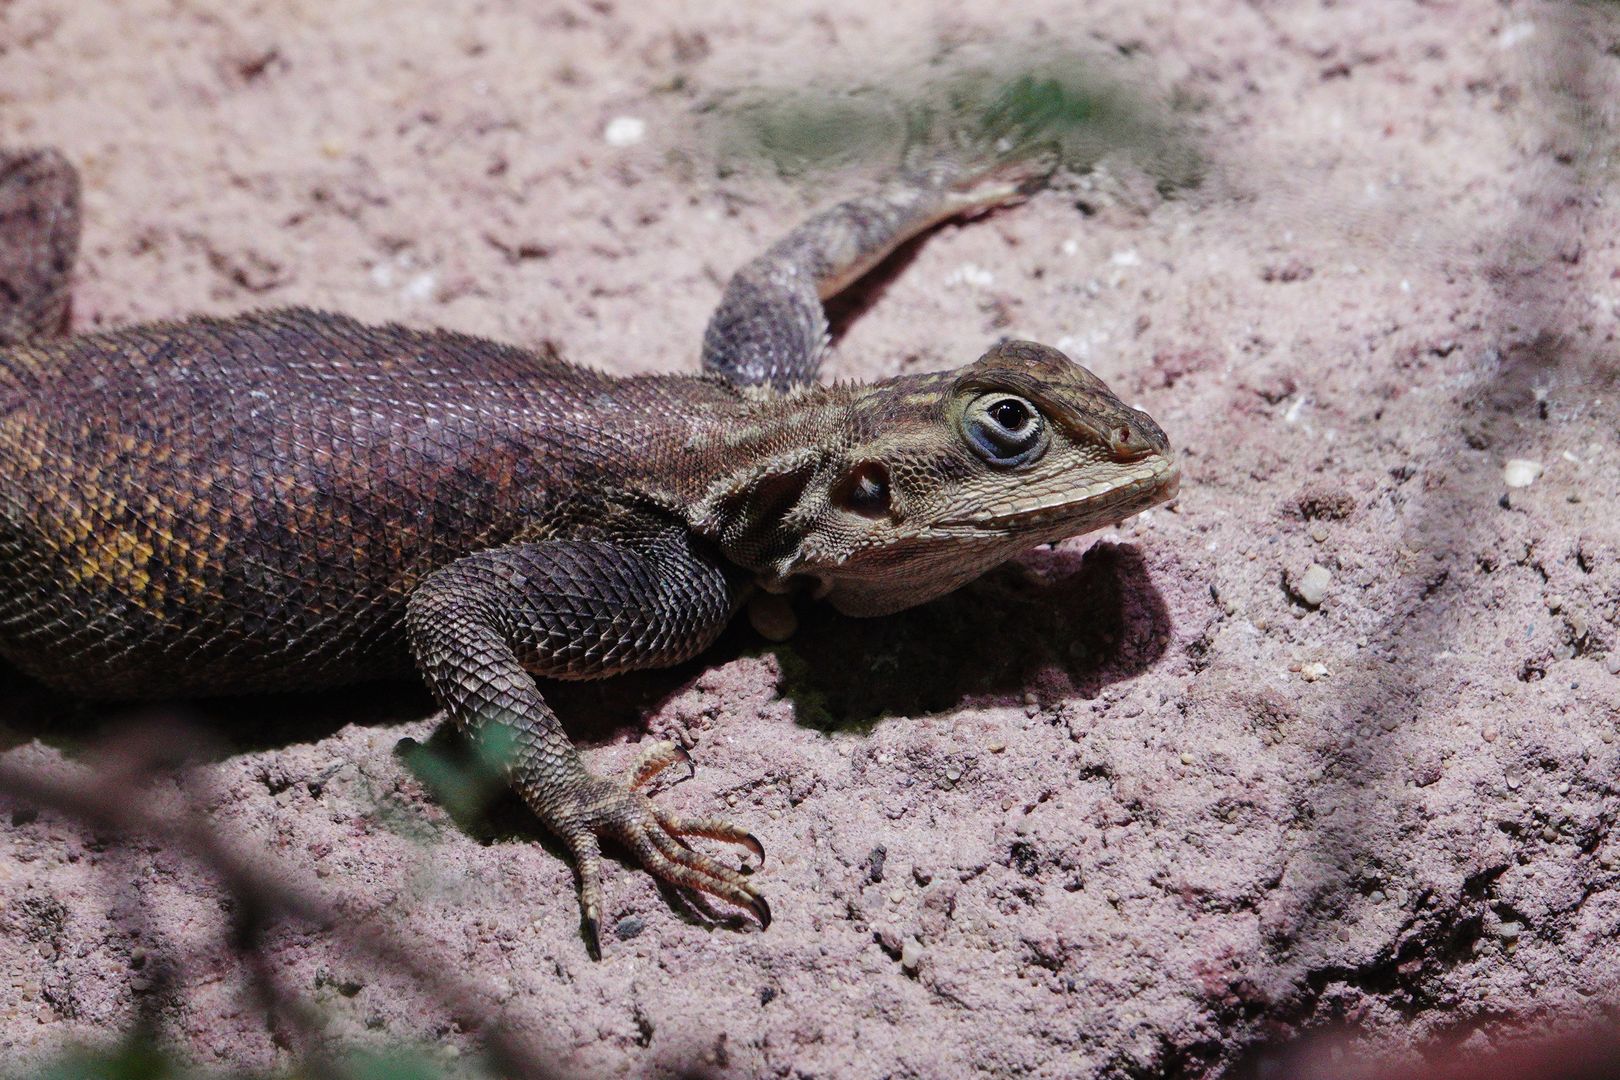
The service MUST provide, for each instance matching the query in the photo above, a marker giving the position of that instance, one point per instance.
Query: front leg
(770, 328)
(579, 609)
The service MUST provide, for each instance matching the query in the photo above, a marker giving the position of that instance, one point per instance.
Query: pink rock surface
(1139, 808)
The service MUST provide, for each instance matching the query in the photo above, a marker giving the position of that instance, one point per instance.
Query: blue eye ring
(1005, 429)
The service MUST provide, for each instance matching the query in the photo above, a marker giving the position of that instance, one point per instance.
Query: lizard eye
(865, 490)
(1004, 430)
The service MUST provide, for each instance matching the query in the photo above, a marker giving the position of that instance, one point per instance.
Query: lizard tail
(39, 239)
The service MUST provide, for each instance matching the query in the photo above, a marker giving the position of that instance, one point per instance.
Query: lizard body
(292, 499)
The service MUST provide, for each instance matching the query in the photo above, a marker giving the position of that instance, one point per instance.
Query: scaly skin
(292, 499)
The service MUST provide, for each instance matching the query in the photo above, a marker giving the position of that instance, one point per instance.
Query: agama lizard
(291, 499)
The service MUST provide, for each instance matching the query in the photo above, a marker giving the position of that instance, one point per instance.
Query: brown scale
(291, 499)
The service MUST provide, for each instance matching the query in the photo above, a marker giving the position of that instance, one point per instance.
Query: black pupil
(1009, 414)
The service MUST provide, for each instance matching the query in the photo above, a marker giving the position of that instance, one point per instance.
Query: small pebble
(772, 617)
(1319, 532)
(1612, 664)
(1313, 584)
(911, 954)
(1521, 472)
(1509, 931)
(625, 131)
(1555, 604)
(1313, 671)
(1549, 835)
(996, 746)
(1489, 733)
(896, 896)
(1031, 699)
(953, 773)
(1187, 758)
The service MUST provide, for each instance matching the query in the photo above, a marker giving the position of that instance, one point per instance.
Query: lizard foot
(616, 809)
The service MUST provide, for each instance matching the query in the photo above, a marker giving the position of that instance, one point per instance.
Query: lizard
(291, 499)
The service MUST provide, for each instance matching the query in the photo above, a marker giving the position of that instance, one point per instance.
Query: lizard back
(246, 503)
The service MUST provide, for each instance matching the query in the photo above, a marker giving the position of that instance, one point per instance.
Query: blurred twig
(101, 798)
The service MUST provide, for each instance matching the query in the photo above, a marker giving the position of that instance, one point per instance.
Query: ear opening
(864, 490)
(761, 522)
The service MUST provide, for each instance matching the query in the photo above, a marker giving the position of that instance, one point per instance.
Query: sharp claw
(593, 937)
(683, 756)
(762, 912)
(751, 842)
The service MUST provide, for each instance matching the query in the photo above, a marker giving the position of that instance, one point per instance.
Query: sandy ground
(1131, 808)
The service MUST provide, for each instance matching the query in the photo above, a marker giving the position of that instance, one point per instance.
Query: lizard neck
(768, 474)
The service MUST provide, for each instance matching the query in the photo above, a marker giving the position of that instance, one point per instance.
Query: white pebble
(1315, 670)
(1521, 472)
(420, 287)
(971, 275)
(625, 131)
(911, 954)
(1313, 584)
(1513, 35)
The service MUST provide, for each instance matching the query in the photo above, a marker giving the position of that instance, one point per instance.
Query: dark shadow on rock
(848, 306)
(236, 724)
(1059, 624)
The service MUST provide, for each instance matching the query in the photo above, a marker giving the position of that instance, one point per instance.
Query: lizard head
(911, 487)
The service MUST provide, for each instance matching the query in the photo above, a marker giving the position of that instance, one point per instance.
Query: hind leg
(770, 328)
(39, 237)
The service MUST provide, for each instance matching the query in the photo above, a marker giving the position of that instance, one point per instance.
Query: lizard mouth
(1146, 484)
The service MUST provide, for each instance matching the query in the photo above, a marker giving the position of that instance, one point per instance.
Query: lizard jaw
(1152, 482)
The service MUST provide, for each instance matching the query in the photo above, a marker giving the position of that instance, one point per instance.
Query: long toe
(710, 829)
(658, 842)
